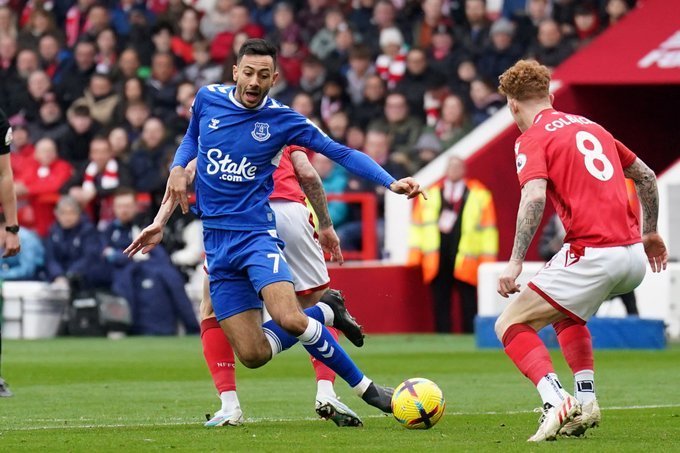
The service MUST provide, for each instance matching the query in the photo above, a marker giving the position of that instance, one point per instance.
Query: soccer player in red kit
(582, 168)
(304, 255)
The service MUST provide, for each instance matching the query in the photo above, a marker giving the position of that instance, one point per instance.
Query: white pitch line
(253, 420)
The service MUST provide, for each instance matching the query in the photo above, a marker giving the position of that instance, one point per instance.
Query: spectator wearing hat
(433, 18)
(40, 184)
(416, 81)
(391, 63)
(221, 45)
(100, 99)
(551, 47)
(360, 69)
(501, 52)
(426, 149)
(50, 122)
(383, 17)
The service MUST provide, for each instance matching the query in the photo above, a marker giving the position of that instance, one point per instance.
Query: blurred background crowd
(99, 92)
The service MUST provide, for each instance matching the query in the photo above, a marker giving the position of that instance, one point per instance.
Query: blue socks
(319, 342)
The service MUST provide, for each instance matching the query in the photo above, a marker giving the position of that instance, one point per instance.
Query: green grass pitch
(148, 394)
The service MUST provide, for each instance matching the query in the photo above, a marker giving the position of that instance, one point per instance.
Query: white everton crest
(261, 132)
(213, 123)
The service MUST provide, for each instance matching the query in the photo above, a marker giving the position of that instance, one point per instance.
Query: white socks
(229, 401)
(362, 386)
(324, 388)
(328, 315)
(312, 333)
(584, 386)
(550, 389)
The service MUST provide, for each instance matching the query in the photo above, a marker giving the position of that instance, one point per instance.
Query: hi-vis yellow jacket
(478, 239)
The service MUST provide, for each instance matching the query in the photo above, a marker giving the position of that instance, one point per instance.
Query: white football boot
(553, 418)
(330, 408)
(234, 417)
(590, 418)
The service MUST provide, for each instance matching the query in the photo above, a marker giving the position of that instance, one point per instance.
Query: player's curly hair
(526, 79)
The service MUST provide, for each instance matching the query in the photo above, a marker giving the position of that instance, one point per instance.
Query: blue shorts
(240, 264)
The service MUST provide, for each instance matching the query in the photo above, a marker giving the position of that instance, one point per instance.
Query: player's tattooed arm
(312, 186)
(645, 184)
(529, 216)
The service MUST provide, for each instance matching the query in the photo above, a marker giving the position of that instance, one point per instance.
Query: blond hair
(526, 79)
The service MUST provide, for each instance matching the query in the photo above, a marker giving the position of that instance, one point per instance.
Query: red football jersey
(286, 185)
(583, 164)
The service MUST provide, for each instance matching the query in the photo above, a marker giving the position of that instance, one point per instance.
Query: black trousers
(442, 291)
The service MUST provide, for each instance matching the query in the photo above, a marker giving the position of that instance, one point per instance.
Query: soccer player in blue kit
(238, 134)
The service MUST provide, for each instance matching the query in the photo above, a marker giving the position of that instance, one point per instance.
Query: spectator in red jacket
(41, 182)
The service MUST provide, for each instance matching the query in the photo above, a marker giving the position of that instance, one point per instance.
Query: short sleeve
(530, 160)
(626, 156)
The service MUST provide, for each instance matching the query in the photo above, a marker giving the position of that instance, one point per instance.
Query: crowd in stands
(99, 92)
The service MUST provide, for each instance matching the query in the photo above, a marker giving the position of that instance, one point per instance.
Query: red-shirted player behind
(583, 169)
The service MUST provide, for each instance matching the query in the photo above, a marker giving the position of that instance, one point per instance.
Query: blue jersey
(239, 148)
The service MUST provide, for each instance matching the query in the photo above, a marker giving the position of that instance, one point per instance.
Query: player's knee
(294, 323)
(500, 326)
(254, 358)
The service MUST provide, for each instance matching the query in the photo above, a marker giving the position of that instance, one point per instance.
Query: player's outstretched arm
(529, 216)
(648, 193)
(152, 235)
(313, 187)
